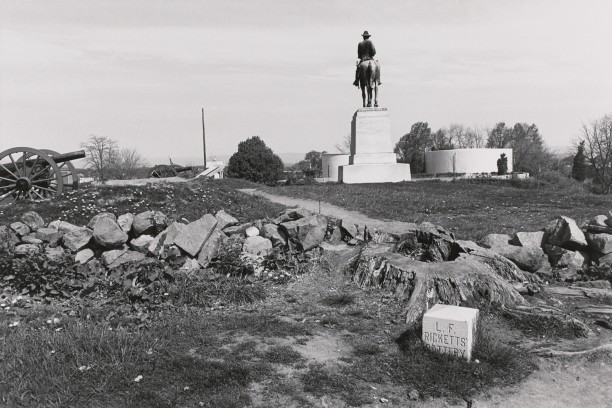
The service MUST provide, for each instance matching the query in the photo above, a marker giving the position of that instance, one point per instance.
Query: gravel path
(350, 217)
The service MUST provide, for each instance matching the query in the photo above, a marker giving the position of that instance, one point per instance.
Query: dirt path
(559, 383)
(353, 217)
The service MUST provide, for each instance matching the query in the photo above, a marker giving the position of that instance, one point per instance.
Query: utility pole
(204, 138)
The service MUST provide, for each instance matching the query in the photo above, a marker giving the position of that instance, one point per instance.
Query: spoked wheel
(29, 174)
(70, 177)
(163, 171)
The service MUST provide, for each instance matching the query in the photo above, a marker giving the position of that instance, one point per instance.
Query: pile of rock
(562, 245)
(128, 238)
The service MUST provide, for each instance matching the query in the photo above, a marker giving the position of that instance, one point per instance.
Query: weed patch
(338, 299)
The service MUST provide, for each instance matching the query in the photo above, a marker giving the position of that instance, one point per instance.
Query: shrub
(256, 162)
(502, 164)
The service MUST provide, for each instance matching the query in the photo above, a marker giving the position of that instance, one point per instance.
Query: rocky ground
(551, 286)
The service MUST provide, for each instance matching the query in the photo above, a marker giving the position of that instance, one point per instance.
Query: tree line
(530, 153)
(257, 162)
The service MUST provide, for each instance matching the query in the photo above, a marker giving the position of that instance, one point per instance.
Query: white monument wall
(466, 160)
(331, 162)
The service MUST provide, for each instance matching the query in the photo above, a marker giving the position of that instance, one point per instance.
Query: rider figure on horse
(366, 52)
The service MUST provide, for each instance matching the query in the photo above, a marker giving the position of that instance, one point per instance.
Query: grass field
(471, 210)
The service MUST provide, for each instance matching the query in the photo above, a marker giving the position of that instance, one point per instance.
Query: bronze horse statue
(369, 78)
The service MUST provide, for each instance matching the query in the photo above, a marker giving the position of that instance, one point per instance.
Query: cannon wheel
(70, 176)
(29, 174)
(163, 171)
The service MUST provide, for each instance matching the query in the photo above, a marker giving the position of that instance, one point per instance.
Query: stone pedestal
(372, 159)
(450, 330)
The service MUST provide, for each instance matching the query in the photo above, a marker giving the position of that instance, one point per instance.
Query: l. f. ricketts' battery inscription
(444, 342)
(450, 329)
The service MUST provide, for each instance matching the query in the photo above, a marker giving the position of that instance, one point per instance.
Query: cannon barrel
(180, 169)
(64, 157)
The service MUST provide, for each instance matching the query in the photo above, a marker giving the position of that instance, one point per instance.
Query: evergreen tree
(502, 164)
(579, 167)
(256, 162)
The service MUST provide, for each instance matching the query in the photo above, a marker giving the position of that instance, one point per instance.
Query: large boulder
(564, 258)
(608, 220)
(8, 238)
(107, 233)
(528, 238)
(271, 231)
(63, 226)
(252, 231)
(33, 220)
(566, 234)
(165, 238)
(46, 234)
(125, 222)
(54, 254)
(20, 228)
(602, 243)
(84, 256)
(108, 215)
(225, 220)
(127, 256)
(108, 257)
(529, 258)
(77, 239)
(493, 240)
(149, 222)
(211, 247)
(31, 239)
(307, 232)
(141, 244)
(237, 229)
(605, 260)
(56, 239)
(194, 235)
(598, 220)
(292, 214)
(27, 249)
(256, 245)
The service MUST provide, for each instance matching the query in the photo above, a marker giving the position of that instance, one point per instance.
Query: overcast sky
(140, 71)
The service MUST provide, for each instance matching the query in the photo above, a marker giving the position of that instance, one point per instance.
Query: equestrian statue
(367, 75)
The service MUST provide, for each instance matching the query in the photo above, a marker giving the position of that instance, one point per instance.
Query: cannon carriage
(36, 174)
(168, 170)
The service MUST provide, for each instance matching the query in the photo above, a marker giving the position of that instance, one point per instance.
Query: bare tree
(345, 145)
(102, 153)
(128, 162)
(597, 138)
(474, 137)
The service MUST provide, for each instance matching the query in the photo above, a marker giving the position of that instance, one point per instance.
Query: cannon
(36, 174)
(168, 170)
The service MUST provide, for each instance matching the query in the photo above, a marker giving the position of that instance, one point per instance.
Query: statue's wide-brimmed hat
(365, 34)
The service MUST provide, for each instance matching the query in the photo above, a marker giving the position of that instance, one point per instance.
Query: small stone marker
(450, 329)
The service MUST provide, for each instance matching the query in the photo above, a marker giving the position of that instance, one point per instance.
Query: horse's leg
(376, 96)
(369, 96)
(363, 95)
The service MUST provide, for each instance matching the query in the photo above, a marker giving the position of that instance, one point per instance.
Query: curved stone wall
(465, 160)
(331, 162)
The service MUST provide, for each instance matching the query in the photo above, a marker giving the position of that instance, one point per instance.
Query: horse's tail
(371, 74)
